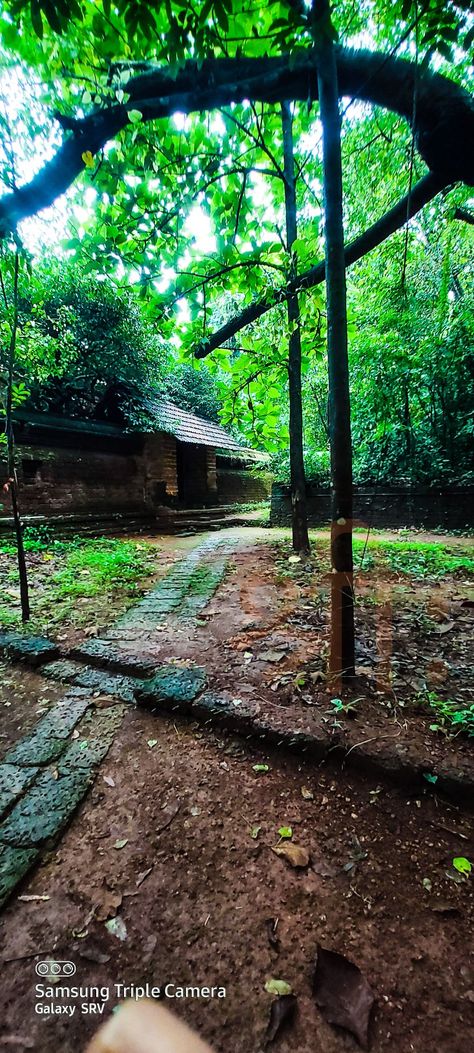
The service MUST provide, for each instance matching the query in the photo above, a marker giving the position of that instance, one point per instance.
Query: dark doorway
(191, 464)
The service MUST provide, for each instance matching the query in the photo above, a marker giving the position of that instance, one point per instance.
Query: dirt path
(200, 916)
(172, 847)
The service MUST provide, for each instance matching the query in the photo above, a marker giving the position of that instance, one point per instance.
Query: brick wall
(159, 467)
(75, 480)
(239, 485)
(387, 507)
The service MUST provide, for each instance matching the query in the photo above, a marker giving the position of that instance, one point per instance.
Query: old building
(76, 467)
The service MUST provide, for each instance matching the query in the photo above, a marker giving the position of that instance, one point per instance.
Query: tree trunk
(20, 549)
(299, 519)
(342, 595)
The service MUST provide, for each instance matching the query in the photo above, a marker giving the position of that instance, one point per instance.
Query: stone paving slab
(47, 740)
(47, 806)
(14, 864)
(45, 809)
(122, 687)
(104, 653)
(173, 684)
(13, 781)
(33, 650)
(63, 670)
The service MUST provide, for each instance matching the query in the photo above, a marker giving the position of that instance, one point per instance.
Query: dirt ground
(200, 917)
(173, 845)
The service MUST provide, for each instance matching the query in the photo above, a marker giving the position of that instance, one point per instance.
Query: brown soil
(200, 916)
(24, 698)
(380, 887)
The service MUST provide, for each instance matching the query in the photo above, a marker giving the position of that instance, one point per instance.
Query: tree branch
(445, 112)
(396, 217)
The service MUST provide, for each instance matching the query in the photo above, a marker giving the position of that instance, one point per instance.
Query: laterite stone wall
(389, 507)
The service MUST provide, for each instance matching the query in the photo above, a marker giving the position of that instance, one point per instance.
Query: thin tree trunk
(342, 595)
(299, 517)
(22, 571)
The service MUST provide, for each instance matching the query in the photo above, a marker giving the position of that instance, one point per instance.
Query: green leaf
(134, 116)
(261, 767)
(278, 987)
(462, 864)
(285, 831)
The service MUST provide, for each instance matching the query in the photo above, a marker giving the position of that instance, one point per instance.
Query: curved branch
(396, 217)
(445, 112)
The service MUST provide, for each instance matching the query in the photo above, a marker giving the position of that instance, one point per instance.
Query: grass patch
(76, 582)
(418, 558)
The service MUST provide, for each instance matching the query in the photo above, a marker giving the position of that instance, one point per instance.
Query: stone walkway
(45, 776)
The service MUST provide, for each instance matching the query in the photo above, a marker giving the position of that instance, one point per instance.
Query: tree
(297, 476)
(439, 111)
(342, 660)
(13, 395)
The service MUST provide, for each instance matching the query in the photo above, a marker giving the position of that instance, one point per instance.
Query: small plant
(452, 718)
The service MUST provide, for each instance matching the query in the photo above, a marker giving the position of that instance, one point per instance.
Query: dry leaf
(272, 925)
(107, 904)
(282, 1014)
(272, 656)
(296, 855)
(32, 899)
(307, 794)
(168, 814)
(141, 877)
(343, 994)
(446, 628)
(109, 780)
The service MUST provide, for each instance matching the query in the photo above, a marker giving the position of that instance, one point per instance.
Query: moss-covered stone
(14, 864)
(47, 740)
(33, 650)
(13, 781)
(174, 685)
(107, 655)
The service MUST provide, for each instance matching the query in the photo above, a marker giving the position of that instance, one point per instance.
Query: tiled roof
(187, 427)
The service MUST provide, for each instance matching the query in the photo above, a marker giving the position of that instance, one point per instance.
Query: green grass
(75, 582)
(415, 558)
(418, 558)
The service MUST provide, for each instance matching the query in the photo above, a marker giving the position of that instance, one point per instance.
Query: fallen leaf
(168, 813)
(446, 628)
(141, 877)
(152, 742)
(93, 953)
(342, 994)
(120, 843)
(261, 767)
(285, 831)
(307, 794)
(32, 899)
(296, 855)
(294, 559)
(117, 928)
(255, 832)
(278, 987)
(272, 656)
(282, 1013)
(272, 925)
(109, 780)
(108, 904)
